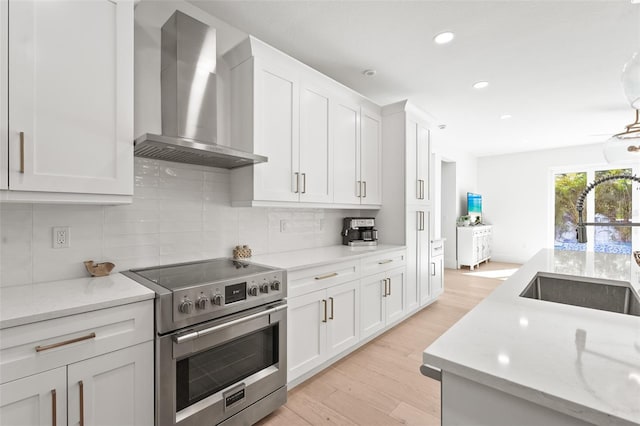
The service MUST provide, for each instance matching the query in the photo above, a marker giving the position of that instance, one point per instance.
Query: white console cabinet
(94, 368)
(473, 245)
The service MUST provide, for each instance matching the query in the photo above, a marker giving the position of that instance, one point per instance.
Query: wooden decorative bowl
(98, 269)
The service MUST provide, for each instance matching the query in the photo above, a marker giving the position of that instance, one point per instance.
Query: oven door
(211, 372)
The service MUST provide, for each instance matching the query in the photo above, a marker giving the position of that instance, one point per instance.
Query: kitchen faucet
(581, 231)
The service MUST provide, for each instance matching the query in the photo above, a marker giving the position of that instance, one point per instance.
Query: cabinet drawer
(307, 280)
(41, 346)
(383, 261)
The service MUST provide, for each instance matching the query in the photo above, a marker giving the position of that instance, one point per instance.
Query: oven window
(208, 372)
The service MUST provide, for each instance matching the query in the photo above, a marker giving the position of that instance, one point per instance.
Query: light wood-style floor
(380, 383)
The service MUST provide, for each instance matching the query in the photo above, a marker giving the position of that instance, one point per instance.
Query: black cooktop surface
(173, 277)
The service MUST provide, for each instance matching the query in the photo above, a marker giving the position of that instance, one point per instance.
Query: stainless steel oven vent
(188, 92)
(193, 152)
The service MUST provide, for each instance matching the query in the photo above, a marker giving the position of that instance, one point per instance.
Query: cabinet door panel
(413, 257)
(29, 401)
(423, 156)
(346, 153)
(71, 96)
(437, 275)
(371, 158)
(372, 300)
(315, 146)
(4, 104)
(425, 265)
(117, 388)
(276, 110)
(344, 317)
(395, 299)
(306, 333)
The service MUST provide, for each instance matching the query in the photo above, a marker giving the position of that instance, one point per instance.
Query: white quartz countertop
(298, 259)
(533, 349)
(24, 304)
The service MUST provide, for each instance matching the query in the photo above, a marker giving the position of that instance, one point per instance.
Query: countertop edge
(74, 310)
(535, 396)
(356, 254)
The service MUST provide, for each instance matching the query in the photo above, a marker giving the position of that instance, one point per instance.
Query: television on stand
(474, 207)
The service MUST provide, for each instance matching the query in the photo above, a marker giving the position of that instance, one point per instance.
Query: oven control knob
(201, 303)
(275, 285)
(186, 306)
(253, 290)
(217, 299)
(264, 288)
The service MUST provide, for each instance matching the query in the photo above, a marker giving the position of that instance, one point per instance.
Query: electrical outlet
(61, 237)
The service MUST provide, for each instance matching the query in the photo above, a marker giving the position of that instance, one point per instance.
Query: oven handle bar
(195, 334)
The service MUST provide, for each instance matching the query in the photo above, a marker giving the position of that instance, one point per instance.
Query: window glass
(568, 187)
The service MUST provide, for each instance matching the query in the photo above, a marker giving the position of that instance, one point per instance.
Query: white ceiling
(553, 65)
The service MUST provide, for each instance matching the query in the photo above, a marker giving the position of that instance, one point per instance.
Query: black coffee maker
(359, 231)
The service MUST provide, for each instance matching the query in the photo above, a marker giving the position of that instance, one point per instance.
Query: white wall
(517, 194)
(179, 212)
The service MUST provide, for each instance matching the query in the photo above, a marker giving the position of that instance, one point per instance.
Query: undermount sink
(612, 296)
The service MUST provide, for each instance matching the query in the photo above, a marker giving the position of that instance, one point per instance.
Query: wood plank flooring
(380, 383)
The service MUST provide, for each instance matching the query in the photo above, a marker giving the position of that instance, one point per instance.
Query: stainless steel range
(221, 341)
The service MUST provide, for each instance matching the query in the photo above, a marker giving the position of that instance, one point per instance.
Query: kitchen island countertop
(578, 361)
(299, 259)
(24, 304)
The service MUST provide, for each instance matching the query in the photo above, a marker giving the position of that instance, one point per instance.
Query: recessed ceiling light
(369, 73)
(505, 116)
(480, 84)
(444, 38)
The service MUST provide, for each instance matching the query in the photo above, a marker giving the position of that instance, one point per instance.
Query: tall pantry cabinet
(406, 216)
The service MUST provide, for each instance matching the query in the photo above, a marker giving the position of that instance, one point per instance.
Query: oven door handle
(196, 334)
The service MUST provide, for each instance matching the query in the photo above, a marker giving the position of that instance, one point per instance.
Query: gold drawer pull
(54, 415)
(323, 277)
(21, 152)
(66, 342)
(382, 262)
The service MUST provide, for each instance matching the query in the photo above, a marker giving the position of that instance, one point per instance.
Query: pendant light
(625, 147)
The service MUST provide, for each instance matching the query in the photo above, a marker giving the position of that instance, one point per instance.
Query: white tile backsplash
(179, 213)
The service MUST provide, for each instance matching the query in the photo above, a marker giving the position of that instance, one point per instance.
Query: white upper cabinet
(297, 117)
(4, 94)
(70, 105)
(315, 167)
(346, 138)
(371, 157)
(357, 133)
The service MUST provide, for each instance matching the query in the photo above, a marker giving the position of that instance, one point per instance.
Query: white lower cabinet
(382, 300)
(40, 399)
(320, 325)
(94, 368)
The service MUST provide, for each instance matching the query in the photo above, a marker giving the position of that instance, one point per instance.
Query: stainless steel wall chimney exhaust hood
(188, 93)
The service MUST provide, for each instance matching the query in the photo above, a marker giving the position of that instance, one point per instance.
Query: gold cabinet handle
(81, 402)
(418, 220)
(364, 182)
(385, 287)
(421, 189)
(331, 314)
(382, 262)
(324, 308)
(389, 294)
(418, 189)
(21, 152)
(433, 268)
(53, 408)
(297, 182)
(66, 342)
(324, 277)
(359, 188)
(304, 183)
